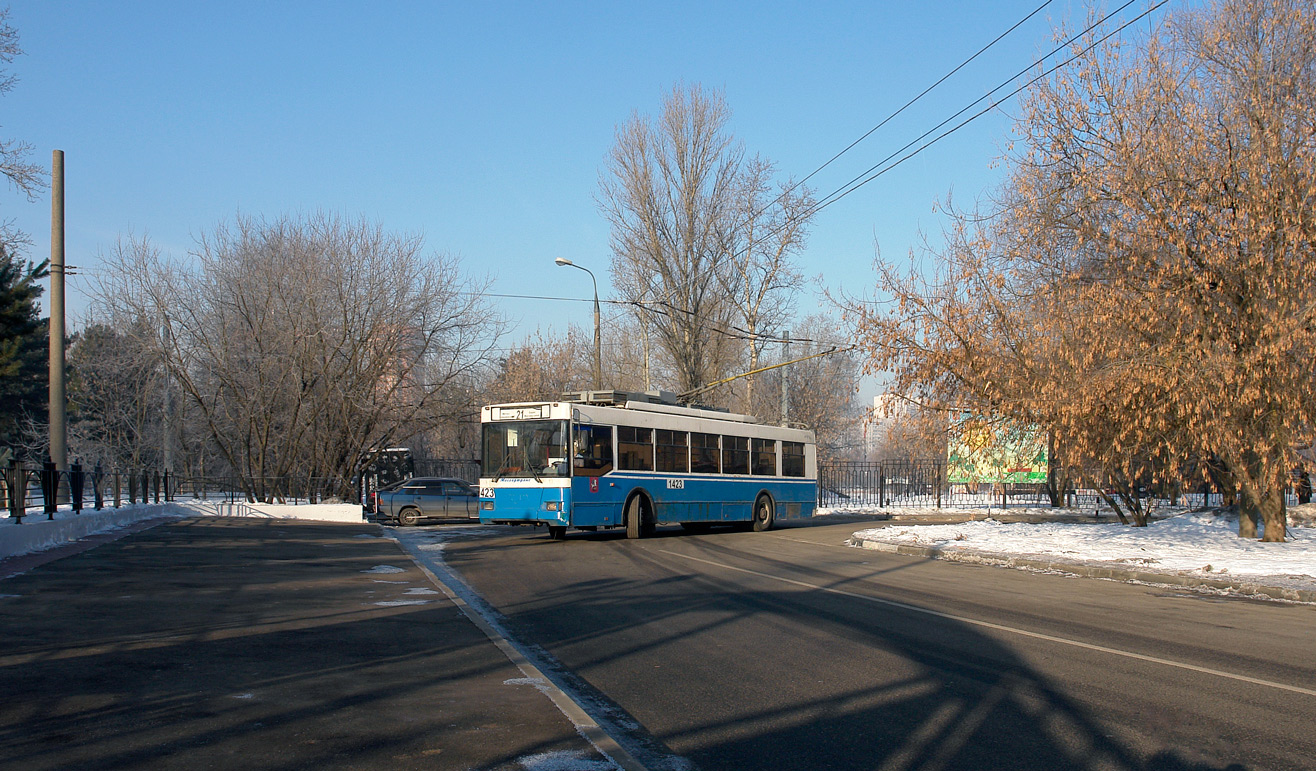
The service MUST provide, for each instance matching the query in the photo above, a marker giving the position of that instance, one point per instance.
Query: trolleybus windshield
(525, 448)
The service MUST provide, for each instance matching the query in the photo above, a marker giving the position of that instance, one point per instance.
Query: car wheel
(408, 516)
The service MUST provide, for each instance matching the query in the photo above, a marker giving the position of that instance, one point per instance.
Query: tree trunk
(1055, 483)
(1248, 512)
(1136, 508)
(1274, 515)
(1111, 502)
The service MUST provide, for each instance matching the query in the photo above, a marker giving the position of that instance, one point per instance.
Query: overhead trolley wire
(911, 102)
(864, 178)
(881, 167)
(876, 170)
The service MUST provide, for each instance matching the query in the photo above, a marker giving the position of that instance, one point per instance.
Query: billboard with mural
(980, 450)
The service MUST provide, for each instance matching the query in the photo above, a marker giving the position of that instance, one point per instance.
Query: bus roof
(599, 409)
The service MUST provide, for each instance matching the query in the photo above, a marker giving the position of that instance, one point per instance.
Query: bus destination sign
(521, 413)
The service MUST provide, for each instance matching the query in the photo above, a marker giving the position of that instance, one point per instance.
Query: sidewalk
(210, 642)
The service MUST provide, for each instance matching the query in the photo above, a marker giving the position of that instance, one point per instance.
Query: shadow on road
(253, 644)
(733, 671)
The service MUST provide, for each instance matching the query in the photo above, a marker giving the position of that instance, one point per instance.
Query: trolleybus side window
(593, 451)
(635, 448)
(673, 451)
(792, 459)
(704, 456)
(765, 457)
(735, 455)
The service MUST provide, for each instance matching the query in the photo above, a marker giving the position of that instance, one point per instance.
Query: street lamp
(598, 348)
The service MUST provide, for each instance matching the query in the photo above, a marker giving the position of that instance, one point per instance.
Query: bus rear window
(635, 448)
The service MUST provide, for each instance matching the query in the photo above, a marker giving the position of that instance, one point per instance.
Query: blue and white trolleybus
(605, 459)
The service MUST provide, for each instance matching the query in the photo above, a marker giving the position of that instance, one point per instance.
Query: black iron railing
(27, 487)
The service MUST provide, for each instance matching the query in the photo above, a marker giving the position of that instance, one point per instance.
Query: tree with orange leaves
(1144, 286)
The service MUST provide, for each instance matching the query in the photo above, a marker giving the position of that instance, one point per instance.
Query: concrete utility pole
(59, 452)
(785, 375)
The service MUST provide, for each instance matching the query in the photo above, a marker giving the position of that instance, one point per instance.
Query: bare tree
(116, 389)
(683, 204)
(821, 385)
(303, 344)
(759, 275)
(28, 178)
(541, 368)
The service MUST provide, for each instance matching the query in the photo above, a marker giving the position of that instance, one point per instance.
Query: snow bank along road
(788, 650)
(1190, 549)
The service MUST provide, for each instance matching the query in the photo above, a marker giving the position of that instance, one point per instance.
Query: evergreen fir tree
(24, 346)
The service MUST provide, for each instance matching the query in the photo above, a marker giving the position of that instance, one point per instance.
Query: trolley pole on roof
(59, 453)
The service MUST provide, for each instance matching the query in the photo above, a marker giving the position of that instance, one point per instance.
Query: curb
(977, 557)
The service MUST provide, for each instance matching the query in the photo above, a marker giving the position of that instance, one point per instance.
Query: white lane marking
(1003, 628)
(583, 722)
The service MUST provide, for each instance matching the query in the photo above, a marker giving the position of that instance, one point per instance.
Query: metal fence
(28, 490)
(919, 483)
(922, 484)
(881, 483)
(27, 487)
(293, 490)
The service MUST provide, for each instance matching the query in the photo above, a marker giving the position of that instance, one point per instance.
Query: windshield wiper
(525, 456)
(507, 463)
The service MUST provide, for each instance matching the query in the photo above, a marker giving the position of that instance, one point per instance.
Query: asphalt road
(241, 643)
(787, 650)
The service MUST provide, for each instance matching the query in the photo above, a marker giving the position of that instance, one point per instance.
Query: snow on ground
(38, 532)
(1200, 543)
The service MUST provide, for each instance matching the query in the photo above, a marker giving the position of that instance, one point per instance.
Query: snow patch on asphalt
(380, 569)
(564, 761)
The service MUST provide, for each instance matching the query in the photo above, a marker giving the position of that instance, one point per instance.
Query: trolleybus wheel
(635, 518)
(557, 533)
(763, 513)
(408, 516)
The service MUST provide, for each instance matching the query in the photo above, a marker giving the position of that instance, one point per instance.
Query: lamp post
(598, 348)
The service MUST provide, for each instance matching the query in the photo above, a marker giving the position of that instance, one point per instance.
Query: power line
(880, 168)
(755, 214)
(864, 178)
(911, 102)
(868, 175)
(728, 330)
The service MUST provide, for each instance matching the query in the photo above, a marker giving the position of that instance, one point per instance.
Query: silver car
(410, 501)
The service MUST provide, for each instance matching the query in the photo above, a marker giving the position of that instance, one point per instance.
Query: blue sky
(483, 126)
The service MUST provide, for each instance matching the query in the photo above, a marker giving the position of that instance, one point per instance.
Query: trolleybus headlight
(553, 506)
(486, 505)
